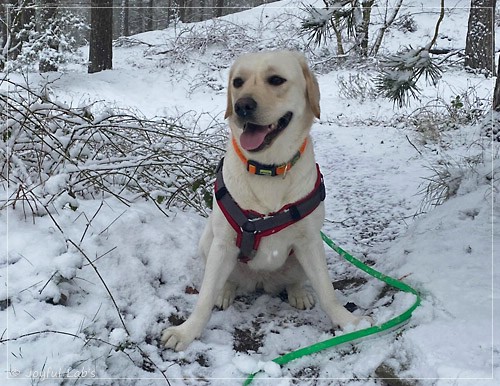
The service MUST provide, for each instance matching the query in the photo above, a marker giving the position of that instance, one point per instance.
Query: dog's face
(272, 100)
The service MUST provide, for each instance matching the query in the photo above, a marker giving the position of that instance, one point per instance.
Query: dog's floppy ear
(312, 87)
(229, 107)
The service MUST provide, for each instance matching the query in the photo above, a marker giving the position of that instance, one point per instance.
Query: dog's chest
(272, 254)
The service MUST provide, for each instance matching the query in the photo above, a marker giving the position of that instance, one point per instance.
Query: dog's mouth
(256, 137)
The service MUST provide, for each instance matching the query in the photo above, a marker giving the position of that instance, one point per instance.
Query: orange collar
(257, 168)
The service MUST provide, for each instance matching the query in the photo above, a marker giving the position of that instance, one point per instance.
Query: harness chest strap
(251, 226)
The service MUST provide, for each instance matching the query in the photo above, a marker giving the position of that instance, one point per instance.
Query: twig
(48, 281)
(98, 257)
(102, 281)
(411, 143)
(438, 24)
(112, 222)
(113, 153)
(89, 222)
(5, 340)
(68, 240)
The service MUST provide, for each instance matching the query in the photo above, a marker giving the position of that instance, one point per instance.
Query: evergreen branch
(319, 20)
(400, 73)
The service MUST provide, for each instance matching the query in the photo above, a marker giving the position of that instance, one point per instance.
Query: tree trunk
(364, 26)
(182, 10)
(480, 40)
(493, 127)
(19, 18)
(101, 36)
(338, 37)
(496, 93)
(169, 13)
(188, 12)
(219, 6)
(202, 9)
(3, 26)
(149, 16)
(125, 27)
(387, 23)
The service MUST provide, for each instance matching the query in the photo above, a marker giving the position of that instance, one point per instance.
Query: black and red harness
(251, 226)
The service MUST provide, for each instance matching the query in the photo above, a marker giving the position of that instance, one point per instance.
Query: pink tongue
(252, 139)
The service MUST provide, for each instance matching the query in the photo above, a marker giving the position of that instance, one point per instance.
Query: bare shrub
(214, 44)
(442, 184)
(51, 154)
(406, 23)
(440, 115)
(454, 177)
(357, 87)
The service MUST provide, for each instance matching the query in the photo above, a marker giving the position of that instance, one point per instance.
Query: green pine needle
(400, 74)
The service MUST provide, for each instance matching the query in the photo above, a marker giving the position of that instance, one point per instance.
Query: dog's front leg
(221, 261)
(311, 255)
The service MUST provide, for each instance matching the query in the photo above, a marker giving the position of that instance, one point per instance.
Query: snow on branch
(400, 73)
(53, 155)
(318, 21)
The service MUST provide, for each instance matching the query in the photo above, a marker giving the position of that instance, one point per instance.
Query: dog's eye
(237, 82)
(276, 80)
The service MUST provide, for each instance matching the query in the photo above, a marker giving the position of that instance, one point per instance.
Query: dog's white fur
(272, 268)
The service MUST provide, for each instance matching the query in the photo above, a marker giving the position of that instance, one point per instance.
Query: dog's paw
(226, 296)
(365, 322)
(299, 297)
(358, 323)
(177, 338)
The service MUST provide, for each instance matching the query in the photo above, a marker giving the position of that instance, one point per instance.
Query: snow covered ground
(376, 165)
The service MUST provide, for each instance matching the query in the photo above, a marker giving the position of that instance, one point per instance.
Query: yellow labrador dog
(264, 231)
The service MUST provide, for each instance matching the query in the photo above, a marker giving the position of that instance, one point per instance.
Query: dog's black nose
(245, 107)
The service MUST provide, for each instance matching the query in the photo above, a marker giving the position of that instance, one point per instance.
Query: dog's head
(272, 100)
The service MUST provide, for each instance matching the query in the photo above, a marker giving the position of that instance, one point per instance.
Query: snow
(249, 365)
(65, 275)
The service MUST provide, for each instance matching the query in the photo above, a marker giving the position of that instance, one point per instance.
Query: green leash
(396, 321)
